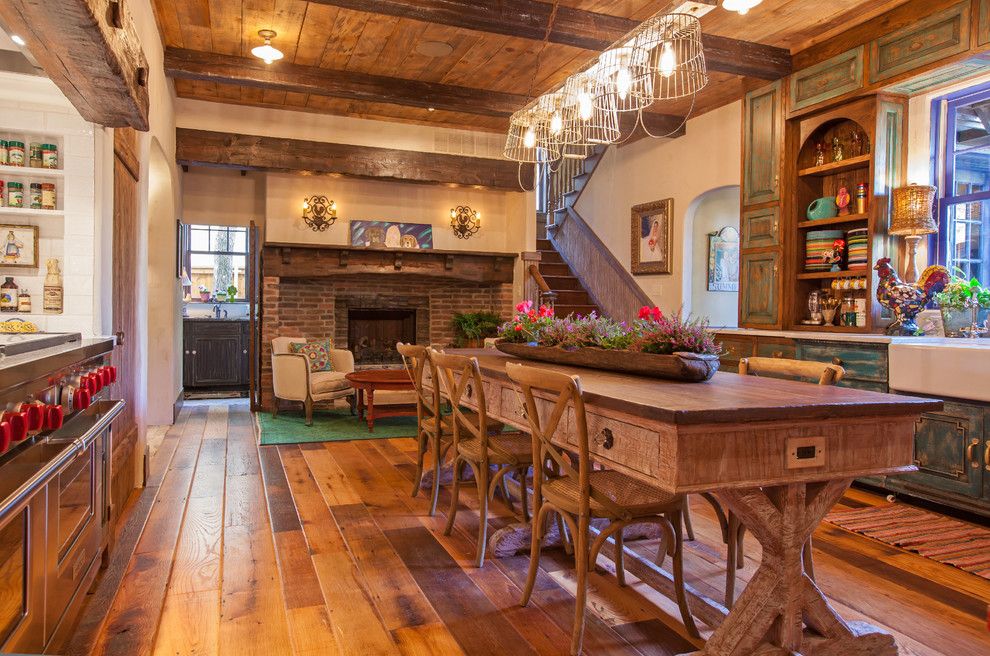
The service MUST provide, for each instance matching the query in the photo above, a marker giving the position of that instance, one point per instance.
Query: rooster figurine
(906, 299)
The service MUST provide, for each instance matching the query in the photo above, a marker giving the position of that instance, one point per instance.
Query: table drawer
(512, 406)
(492, 393)
(862, 362)
(613, 441)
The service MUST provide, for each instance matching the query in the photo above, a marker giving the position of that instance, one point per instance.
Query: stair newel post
(531, 288)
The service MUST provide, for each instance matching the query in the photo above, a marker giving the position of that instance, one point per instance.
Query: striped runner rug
(929, 534)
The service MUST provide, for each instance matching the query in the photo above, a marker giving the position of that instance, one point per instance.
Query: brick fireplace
(324, 306)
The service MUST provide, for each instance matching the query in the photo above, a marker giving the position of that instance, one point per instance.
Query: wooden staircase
(572, 298)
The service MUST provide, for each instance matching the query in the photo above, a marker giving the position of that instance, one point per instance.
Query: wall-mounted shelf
(832, 168)
(29, 172)
(827, 275)
(836, 220)
(27, 211)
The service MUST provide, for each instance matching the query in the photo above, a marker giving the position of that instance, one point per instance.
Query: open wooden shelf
(27, 211)
(826, 275)
(835, 220)
(832, 168)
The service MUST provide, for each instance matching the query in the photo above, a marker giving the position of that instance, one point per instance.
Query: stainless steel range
(56, 410)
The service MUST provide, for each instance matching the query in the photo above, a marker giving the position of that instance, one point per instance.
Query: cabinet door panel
(762, 137)
(217, 360)
(734, 348)
(941, 35)
(942, 450)
(760, 228)
(862, 362)
(829, 79)
(759, 302)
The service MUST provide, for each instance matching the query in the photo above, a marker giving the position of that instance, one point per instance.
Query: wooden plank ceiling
(325, 35)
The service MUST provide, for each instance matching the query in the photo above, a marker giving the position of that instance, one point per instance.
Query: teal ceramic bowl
(822, 208)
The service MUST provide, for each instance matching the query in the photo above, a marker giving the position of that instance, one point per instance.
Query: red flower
(657, 314)
(518, 327)
(644, 312)
(524, 306)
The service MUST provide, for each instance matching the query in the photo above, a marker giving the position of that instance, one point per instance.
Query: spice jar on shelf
(24, 301)
(35, 195)
(34, 156)
(48, 197)
(49, 156)
(15, 194)
(3, 152)
(15, 153)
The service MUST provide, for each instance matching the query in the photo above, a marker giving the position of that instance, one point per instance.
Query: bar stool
(826, 374)
(578, 496)
(479, 443)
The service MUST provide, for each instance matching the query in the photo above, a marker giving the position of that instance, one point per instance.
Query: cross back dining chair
(580, 495)
(479, 442)
(824, 374)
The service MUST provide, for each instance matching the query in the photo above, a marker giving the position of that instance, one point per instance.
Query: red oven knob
(113, 373)
(85, 399)
(90, 383)
(104, 375)
(18, 425)
(33, 413)
(97, 381)
(4, 436)
(53, 417)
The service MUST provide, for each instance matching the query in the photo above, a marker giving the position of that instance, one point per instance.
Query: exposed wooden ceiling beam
(243, 151)
(574, 27)
(90, 49)
(283, 76)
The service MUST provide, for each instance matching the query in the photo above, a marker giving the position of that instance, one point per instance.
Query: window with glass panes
(215, 258)
(963, 126)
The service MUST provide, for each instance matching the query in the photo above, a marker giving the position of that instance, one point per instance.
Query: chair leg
(682, 601)
(620, 568)
(740, 550)
(352, 401)
(454, 494)
(309, 411)
(482, 476)
(688, 528)
(536, 544)
(565, 539)
(809, 560)
(420, 456)
(275, 409)
(437, 459)
(581, 555)
(524, 493)
(734, 557)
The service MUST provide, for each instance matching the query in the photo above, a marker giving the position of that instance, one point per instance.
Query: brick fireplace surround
(316, 308)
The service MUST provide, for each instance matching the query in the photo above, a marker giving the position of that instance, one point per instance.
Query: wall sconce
(464, 221)
(319, 213)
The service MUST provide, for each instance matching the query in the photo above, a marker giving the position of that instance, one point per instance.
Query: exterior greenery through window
(216, 258)
(962, 123)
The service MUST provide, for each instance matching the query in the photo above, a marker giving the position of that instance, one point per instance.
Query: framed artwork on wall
(20, 246)
(391, 234)
(652, 241)
(723, 260)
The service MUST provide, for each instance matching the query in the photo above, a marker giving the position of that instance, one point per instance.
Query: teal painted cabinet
(948, 449)
(763, 134)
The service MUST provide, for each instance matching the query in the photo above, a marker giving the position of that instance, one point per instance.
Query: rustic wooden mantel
(313, 261)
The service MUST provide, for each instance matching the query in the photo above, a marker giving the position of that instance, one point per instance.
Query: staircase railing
(558, 181)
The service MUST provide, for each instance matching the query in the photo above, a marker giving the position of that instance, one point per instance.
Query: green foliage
(475, 325)
(960, 294)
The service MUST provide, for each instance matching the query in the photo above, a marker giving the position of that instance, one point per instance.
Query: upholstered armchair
(293, 381)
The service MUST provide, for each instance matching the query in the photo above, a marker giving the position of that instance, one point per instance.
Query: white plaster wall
(707, 157)
(709, 213)
(223, 197)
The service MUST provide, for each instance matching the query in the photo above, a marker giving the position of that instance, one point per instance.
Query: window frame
(188, 252)
(944, 111)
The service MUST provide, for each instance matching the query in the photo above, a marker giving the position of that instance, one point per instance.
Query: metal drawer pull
(778, 354)
(605, 439)
(971, 453)
(986, 456)
(837, 360)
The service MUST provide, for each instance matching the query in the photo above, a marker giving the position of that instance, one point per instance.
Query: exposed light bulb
(529, 138)
(740, 6)
(453, 214)
(623, 81)
(267, 53)
(585, 105)
(668, 61)
(305, 204)
(18, 40)
(556, 124)
(477, 216)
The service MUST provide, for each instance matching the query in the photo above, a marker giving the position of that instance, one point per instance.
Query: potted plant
(653, 345)
(220, 295)
(204, 294)
(471, 328)
(961, 302)
(231, 294)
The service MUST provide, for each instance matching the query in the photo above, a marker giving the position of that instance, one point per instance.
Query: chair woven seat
(631, 495)
(430, 423)
(503, 449)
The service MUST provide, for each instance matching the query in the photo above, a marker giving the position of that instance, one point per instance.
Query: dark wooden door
(759, 288)
(763, 136)
(124, 304)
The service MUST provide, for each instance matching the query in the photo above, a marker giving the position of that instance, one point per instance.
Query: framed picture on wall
(652, 241)
(391, 234)
(723, 260)
(20, 246)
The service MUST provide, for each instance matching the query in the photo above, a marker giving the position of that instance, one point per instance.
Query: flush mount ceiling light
(18, 40)
(267, 52)
(742, 6)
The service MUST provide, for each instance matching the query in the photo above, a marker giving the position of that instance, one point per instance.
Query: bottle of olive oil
(53, 288)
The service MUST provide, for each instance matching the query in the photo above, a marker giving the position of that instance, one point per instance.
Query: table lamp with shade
(912, 218)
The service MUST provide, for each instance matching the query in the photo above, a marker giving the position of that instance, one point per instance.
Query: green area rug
(337, 425)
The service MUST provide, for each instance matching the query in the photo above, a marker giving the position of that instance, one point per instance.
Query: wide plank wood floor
(319, 549)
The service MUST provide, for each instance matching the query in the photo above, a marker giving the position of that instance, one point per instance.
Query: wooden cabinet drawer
(760, 228)
(776, 347)
(734, 348)
(940, 35)
(616, 442)
(829, 79)
(512, 406)
(493, 397)
(862, 362)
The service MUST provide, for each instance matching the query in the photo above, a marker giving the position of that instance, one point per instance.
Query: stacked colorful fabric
(817, 242)
(856, 242)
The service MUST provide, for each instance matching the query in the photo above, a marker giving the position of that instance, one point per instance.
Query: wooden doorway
(126, 235)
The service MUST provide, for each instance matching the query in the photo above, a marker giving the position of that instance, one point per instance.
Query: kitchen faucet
(217, 310)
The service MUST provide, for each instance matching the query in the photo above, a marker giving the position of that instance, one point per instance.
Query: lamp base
(911, 266)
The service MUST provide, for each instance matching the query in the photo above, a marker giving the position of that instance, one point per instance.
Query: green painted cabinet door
(949, 448)
(759, 285)
(763, 134)
(760, 228)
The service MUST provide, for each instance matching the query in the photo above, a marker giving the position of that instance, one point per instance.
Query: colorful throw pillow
(317, 354)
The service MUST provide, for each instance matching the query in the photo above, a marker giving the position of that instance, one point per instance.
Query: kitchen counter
(14, 369)
(215, 320)
(859, 338)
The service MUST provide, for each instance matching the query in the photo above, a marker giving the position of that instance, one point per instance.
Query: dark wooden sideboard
(215, 353)
(949, 444)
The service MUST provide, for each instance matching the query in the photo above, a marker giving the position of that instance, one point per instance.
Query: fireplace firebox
(372, 334)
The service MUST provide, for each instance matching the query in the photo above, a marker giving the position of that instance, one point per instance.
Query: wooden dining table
(777, 453)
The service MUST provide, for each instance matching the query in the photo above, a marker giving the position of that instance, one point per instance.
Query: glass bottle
(8, 295)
